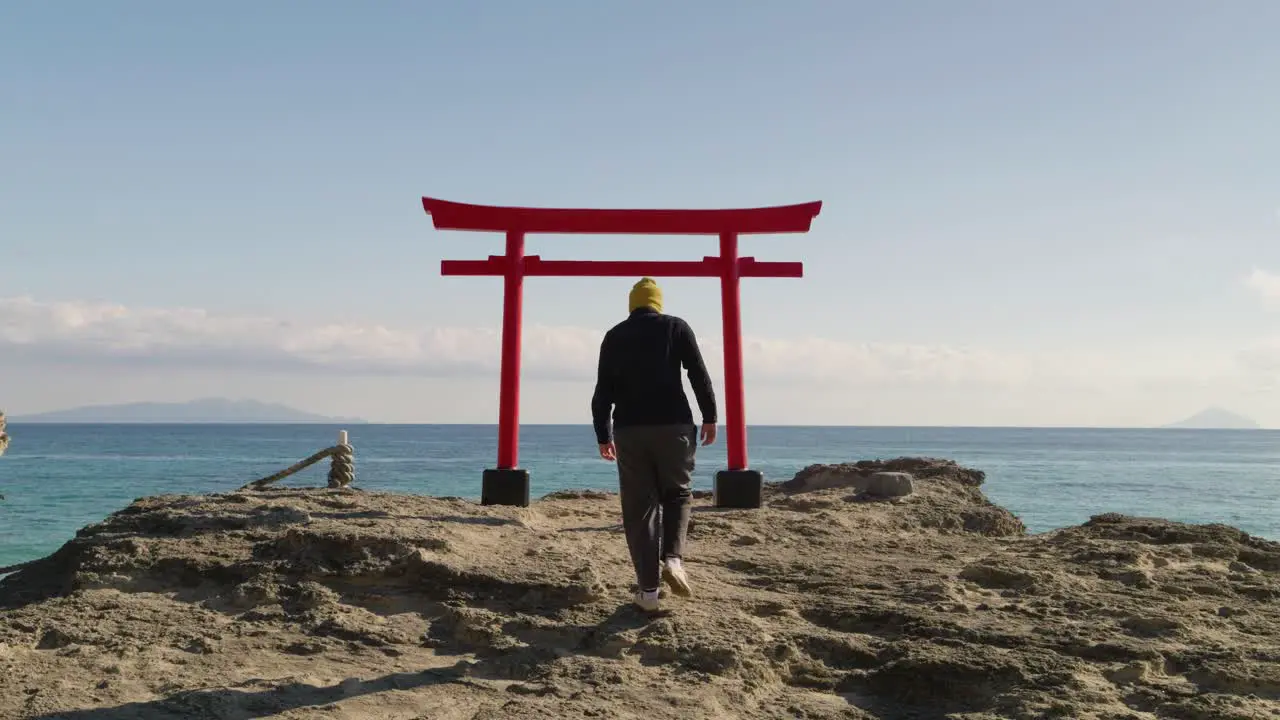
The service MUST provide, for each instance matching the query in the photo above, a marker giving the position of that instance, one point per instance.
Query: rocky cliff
(833, 601)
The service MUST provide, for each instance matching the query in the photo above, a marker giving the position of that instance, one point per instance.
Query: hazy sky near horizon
(1034, 213)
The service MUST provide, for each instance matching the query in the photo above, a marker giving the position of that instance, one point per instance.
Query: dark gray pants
(655, 469)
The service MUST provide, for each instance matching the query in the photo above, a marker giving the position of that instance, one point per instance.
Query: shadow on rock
(237, 704)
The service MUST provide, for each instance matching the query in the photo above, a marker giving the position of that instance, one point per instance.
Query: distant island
(1215, 418)
(206, 410)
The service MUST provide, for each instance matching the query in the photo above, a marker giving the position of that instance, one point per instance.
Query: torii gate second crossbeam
(507, 484)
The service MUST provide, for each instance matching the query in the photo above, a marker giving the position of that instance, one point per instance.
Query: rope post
(342, 470)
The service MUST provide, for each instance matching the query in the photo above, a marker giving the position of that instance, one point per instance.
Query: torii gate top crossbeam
(447, 215)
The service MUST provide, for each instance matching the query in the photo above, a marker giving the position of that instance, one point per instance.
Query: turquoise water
(58, 478)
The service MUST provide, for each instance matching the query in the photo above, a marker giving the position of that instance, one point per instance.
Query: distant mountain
(1216, 419)
(208, 410)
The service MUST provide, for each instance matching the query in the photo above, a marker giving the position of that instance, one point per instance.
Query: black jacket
(639, 375)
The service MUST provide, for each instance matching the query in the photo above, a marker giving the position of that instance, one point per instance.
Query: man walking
(653, 437)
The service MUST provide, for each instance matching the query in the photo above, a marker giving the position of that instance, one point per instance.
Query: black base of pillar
(739, 489)
(505, 487)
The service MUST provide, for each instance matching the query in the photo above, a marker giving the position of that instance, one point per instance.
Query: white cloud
(1262, 360)
(58, 354)
(81, 331)
(103, 333)
(1265, 284)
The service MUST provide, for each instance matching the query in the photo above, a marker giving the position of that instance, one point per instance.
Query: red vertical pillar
(734, 397)
(512, 321)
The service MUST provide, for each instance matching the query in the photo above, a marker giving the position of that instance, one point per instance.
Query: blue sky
(1034, 213)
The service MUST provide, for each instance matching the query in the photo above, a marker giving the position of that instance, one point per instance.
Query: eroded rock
(826, 603)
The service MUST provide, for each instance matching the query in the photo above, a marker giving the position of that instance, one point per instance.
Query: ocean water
(58, 478)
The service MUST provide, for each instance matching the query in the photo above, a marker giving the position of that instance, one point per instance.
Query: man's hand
(708, 433)
(609, 452)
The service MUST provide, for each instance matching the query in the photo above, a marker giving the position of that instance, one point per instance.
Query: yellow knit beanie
(645, 293)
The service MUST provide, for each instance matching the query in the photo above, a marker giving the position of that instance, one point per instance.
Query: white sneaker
(647, 601)
(674, 575)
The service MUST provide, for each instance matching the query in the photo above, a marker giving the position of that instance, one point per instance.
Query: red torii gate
(509, 485)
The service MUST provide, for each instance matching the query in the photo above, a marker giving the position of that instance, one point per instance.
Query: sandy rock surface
(830, 602)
